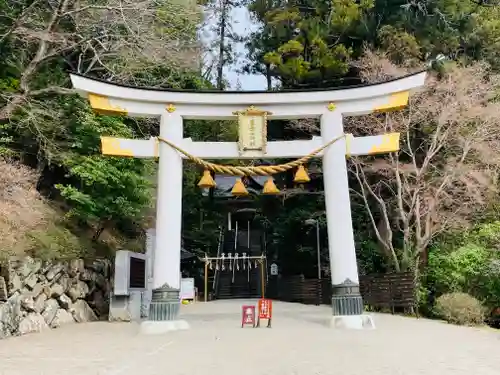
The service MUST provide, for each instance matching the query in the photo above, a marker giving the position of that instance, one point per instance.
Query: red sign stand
(265, 311)
(247, 315)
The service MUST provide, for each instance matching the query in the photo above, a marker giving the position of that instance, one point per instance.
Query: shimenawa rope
(261, 170)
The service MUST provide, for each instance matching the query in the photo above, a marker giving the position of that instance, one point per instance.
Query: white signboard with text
(187, 288)
(274, 269)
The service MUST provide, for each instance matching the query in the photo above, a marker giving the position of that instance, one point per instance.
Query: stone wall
(43, 295)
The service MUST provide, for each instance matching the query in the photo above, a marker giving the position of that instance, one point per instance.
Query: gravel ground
(298, 343)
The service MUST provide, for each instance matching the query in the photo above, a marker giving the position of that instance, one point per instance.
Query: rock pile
(44, 295)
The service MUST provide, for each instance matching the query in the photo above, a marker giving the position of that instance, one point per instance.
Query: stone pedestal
(164, 313)
(352, 322)
(165, 304)
(346, 299)
(347, 307)
(125, 308)
(150, 327)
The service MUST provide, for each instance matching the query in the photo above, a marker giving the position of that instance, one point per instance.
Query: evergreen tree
(219, 23)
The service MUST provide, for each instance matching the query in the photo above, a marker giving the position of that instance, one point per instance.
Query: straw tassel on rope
(239, 188)
(301, 176)
(207, 181)
(270, 187)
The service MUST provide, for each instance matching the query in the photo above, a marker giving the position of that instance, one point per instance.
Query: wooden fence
(393, 291)
(389, 291)
(295, 289)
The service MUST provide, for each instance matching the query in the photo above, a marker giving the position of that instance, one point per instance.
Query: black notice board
(137, 273)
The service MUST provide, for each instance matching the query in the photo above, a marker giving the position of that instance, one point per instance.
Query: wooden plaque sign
(247, 315)
(252, 131)
(265, 311)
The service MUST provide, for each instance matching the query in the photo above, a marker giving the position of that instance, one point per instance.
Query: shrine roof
(225, 184)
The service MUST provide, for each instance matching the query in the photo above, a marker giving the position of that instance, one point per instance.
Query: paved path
(298, 343)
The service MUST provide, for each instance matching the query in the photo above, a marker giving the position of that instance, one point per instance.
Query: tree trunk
(423, 258)
(268, 78)
(384, 239)
(222, 36)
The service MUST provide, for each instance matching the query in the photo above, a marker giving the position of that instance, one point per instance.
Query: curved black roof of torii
(213, 91)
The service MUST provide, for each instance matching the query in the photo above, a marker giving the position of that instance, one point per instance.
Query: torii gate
(173, 106)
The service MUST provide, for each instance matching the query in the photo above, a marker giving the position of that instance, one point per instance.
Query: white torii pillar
(174, 106)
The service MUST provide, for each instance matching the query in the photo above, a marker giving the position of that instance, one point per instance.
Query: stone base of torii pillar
(164, 313)
(352, 322)
(347, 308)
(150, 327)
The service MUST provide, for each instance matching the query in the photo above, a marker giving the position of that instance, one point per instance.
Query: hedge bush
(468, 263)
(461, 309)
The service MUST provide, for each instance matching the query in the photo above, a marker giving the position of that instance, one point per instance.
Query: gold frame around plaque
(252, 112)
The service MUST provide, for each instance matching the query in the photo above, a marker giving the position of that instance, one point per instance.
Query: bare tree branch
(121, 39)
(447, 170)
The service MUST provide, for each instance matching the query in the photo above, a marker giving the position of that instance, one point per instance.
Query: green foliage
(461, 30)
(370, 259)
(170, 77)
(107, 189)
(103, 189)
(9, 84)
(59, 136)
(305, 44)
(310, 43)
(468, 263)
(399, 44)
(212, 130)
(459, 270)
(290, 240)
(461, 309)
(201, 219)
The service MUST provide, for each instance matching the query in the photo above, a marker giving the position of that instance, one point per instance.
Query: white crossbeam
(229, 150)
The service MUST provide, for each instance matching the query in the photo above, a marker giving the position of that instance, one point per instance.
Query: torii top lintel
(111, 98)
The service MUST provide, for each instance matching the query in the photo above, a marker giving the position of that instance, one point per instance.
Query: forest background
(431, 208)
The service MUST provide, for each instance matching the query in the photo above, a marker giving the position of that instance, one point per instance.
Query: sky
(242, 25)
